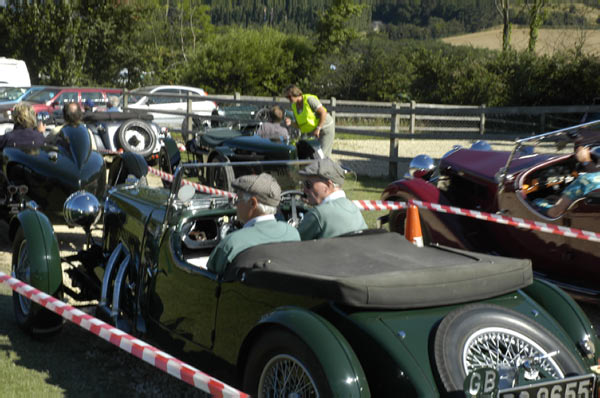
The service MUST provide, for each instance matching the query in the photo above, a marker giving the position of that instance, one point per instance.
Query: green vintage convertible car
(363, 315)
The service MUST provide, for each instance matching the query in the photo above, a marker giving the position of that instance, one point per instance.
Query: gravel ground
(407, 150)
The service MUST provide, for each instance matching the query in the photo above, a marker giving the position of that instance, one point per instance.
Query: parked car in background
(14, 73)
(236, 143)
(50, 99)
(10, 96)
(126, 131)
(510, 183)
(143, 99)
(366, 315)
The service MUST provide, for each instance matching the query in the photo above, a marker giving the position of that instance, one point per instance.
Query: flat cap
(263, 186)
(327, 169)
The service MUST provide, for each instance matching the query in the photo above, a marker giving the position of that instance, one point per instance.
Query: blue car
(14, 95)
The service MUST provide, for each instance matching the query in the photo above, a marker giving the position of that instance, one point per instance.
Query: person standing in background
(311, 117)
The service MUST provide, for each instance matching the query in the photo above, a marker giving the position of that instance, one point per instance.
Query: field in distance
(549, 40)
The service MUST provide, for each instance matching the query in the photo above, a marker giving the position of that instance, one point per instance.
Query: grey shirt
(272, 131)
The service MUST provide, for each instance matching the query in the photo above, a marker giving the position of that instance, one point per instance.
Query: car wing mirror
(186, 192)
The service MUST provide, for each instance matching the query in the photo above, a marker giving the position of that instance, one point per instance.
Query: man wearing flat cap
(257, 201)
(333, 214)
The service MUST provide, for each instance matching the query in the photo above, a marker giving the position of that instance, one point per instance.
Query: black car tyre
(29, 316)
(486, 335)
(136, 136)
(164, 164)
(281, 365)
(221, 177)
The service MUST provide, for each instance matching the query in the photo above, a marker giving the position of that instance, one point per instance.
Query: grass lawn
(366, 188)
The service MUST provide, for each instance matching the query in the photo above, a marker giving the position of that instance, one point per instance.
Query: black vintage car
(49, 175)
(363, 315)
(236, 143)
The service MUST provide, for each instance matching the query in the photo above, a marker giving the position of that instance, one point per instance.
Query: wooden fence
(398, 121)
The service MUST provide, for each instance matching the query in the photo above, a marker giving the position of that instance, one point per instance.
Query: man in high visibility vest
(311, 117)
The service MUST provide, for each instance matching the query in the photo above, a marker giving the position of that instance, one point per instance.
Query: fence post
(236, 97)
(333, 111)
(413, 118)
(125, 98)
(393, 163)
(482, 120)
(542, 122)
(187, 125)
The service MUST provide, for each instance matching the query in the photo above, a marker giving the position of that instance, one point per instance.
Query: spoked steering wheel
(293, 197)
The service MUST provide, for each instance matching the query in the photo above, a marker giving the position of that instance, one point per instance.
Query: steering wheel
(227, 227)
(293, 197)
(263, 114)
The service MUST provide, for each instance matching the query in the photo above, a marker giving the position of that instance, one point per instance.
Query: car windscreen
(40, 97)
(135, 96)
(11, 93)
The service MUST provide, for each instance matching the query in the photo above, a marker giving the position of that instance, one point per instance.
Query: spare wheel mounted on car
(136, 136)
(485, 335)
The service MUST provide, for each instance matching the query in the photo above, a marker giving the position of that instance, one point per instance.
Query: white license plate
(571, 387)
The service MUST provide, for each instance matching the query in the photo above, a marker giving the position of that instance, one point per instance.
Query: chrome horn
(421, 166)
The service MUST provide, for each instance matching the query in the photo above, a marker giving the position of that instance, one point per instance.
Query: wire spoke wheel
(285, 377)
(477, 336)
(22, 271)
(505, 350)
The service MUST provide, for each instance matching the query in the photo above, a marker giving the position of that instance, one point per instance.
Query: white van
(14, 73)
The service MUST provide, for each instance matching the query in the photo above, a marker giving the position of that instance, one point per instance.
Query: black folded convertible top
(381, 270)
(115, 116)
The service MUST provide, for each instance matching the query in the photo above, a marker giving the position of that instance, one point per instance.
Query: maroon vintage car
(509, 183)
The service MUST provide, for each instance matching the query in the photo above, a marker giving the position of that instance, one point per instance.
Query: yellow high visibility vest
(307, 120)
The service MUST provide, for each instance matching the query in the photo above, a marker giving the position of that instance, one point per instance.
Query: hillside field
(549, 41)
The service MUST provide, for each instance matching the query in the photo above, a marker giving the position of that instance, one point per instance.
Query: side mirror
(186, 192)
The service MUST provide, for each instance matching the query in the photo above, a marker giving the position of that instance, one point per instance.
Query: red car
(51, 99)
(510, 183)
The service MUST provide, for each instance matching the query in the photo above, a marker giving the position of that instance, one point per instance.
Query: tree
(537, 14)
(503, 7)
(333, 28)
(55, 55)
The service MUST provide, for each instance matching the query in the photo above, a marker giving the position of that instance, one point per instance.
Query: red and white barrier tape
(373, 205)
(199, 187)
(480, 215)
(124, 341)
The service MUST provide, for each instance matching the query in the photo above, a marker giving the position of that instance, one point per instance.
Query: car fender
(443, 228)
(567, 312)
(170, 146)
(46, 271)
(340, 364)
(415, 188)
(223, 151)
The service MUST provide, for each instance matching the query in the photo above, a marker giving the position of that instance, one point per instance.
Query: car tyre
(136, 136)
(466, 334)
(281, 364)
(164, 164)
(30, 317)
(221, 177)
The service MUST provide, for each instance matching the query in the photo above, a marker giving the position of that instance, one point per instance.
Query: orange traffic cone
(412, 227)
